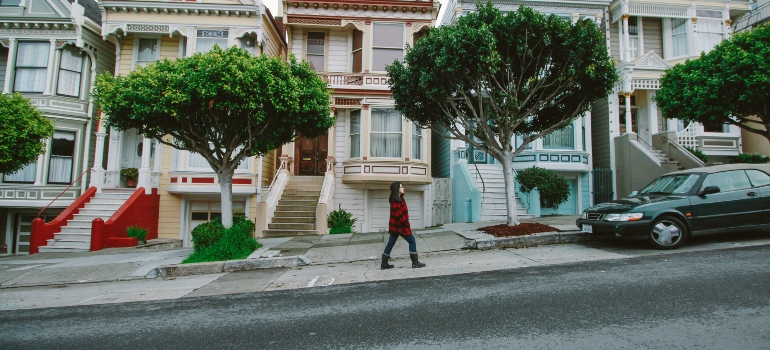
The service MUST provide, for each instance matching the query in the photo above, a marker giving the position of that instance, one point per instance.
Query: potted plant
(130, 174)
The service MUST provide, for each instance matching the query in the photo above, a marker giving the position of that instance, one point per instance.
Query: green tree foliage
(493, 76)
(225, 105)
(729, 84)
(554, 189)
(23, 131)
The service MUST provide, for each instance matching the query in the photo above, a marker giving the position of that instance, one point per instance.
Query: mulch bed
(523, 229)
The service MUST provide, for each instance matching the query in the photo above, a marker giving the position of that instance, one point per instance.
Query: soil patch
(522, 229)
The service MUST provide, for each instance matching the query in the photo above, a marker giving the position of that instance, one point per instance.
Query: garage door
(379, 209)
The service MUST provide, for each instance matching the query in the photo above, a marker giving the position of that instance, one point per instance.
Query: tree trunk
(510, 188)
(226, 190)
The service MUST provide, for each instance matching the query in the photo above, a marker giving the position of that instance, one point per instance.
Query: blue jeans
(392, 241)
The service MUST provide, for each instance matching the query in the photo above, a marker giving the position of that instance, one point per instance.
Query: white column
(51, 68)
(629, 120)
(578, 133)
(144, 171)
(40, 168)
(113, 158)
(8, 86)
(653, 112)
(97, 175)
(626, 55)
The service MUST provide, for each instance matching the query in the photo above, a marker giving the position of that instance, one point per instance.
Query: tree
(225, 105)
(493, 76)
(730, 84)
(23, 131)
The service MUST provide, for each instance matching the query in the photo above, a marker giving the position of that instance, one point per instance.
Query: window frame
(371, 134)
(83, 61)
(351, 134)
(670, 35)
(135, 62)
(373, 47)
(49, 154)
(353, 51)
(574, 138)
(752, 182)
(698, 36)
(16, 66)
(419, 135)
(241, 43)
(306, 38)
(721, 190)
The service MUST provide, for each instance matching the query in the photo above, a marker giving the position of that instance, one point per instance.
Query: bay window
(633, 37)
(386, 134)
(196, 161)
(710, 33)
(249, 44)
(316, 50)
(70, 71)
(24, 175)
(355, 134)
(563, 138)
(62, 157)
(147, 51)
(206, 39)
(416, 142)
(31, 67)
(679, 36)
(387, 46)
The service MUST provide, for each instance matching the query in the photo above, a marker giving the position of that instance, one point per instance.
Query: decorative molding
(708, 13)
(420, 26)
(358, 14)
(694, 20)
(357, 24)
(147, 28)
(41, 32)
(651, 60)
(319, 21)
(61, 43)
(729, 22)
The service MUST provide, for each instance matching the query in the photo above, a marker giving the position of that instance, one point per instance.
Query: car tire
(667, 232)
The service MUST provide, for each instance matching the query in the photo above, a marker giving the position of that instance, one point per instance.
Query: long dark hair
(395, 196)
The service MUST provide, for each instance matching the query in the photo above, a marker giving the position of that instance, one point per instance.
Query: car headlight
(623, 217)
(584, 215)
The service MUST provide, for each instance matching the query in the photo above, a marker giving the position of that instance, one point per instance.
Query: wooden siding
(615, 41)
(3, 64)
(338, 51)
(126, 53)
(297, 44)
(170, 205)
(441, 155)
(273, 44)
(585, 193)
(268, 168)
(105, 58)
(653, 35)
(341, 137)
(169, 47)
(349, 197)
(600, 133)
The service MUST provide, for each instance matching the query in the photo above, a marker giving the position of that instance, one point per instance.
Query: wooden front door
(310, 157)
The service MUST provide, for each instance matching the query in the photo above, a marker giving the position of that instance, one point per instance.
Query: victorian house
(50, 51)
(175, 190)
(631, 138)
(349, 44)
(477, 178)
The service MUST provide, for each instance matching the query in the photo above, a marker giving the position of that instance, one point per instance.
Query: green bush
(139, 233)
(755, 158)
(554, 189)
(698, 153)
(340, 221)
(216, 243)
(129, 173)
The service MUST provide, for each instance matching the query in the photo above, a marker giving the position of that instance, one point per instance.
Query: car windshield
(674, 184)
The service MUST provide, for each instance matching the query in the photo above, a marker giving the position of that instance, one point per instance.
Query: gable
(652, 61)
(46, 9)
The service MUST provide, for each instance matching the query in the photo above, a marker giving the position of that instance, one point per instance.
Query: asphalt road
(716, 299)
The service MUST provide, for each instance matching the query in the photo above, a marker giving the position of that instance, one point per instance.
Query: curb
(228, 266)
(536, 239)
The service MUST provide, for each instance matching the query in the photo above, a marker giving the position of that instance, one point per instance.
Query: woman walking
(399, 226)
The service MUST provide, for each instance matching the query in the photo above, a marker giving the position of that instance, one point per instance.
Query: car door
(733, 207)
(761, 182)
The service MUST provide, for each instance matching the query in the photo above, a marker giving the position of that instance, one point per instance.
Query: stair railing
(649, 147)
(483, 185)
(62, 192)
(684, 150)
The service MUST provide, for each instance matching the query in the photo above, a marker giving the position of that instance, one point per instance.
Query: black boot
(415, 262)
(385, 264)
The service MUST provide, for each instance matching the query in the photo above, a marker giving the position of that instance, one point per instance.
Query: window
(716, 127)
(249, 44)
(25, 175)
(562, 138)
(357, 52)
(62, 157)
(633, 37)
(727, 181)
(355, 133)
(10, 2)
(388, 45)
(316, 48)
(677, 184)
(196, 161)
(518, 140)
(416, 142)
(208, 38)
(758, 178)
(70, 70)
(31, 67)
(147, 51)
(386, 133)
(709, 34)
(679, 36)
(633, 26)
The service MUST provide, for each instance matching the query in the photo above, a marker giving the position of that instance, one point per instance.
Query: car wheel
(667, 232)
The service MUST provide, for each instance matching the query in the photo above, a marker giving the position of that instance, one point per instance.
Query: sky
(273, 6)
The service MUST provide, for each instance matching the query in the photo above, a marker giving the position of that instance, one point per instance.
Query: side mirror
(709, 190)
(633, 193)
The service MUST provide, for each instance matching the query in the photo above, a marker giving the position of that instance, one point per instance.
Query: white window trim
(668, 39)
(348, 142)
(326, 45)
(184, 156)
(421, 131)
(46, 159)
(403, 135)
(195, 37)
(135, 54)
(18, 42)
(83, 73)
(372, 47)
(574, 139)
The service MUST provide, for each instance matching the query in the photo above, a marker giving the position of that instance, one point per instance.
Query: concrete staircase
(75, 236)
(660, 156)
(493, 204)
(295, 212)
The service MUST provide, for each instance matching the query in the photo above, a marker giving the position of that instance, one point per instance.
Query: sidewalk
(122, 264)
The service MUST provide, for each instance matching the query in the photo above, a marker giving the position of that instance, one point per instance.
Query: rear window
(673, 184)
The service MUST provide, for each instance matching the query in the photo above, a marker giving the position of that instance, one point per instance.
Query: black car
(666, 212)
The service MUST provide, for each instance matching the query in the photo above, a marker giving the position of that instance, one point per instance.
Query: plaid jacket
(399, 219)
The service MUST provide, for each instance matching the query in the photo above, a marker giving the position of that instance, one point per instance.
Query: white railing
(275, 191)
(748, 20)
(327, 191)
(344, 79)
(687, 137)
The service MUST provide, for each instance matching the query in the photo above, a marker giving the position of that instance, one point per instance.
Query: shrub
(129, 173)
(755, 158)
(340, 221)
(216, 243)
(554, 189)
(140, 233)
(698, 153)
